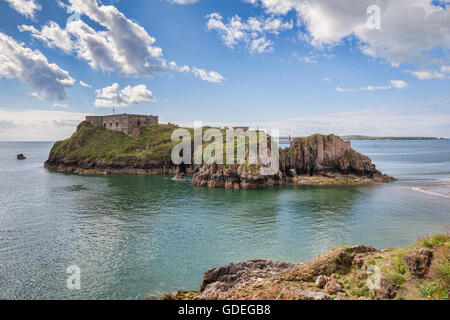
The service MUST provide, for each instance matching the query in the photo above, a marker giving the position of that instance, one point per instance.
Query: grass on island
(97, 143)
(153, 144)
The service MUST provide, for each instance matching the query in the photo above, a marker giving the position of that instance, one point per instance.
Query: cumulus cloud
(52, 35)
(122, 45)
(410, 30)
(253, 32)
(26, 8)
(33, 68)
(393, 84)
(112, 96)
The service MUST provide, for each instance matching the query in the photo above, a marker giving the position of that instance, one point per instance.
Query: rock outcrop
(343, 273)
(21, 157)
(317, 159)
(419, 261)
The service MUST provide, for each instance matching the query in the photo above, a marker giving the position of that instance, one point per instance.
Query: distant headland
(137, 144)
(358, 137)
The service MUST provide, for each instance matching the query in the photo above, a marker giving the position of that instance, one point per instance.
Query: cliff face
(322, 154)
(343, 273)
(317, 159)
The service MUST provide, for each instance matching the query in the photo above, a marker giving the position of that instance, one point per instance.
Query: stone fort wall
(123, 122)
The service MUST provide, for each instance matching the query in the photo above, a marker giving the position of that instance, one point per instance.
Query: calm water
(134, 236)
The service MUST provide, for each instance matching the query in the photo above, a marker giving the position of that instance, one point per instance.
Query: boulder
(387, 289)
(322, 281)
(418, 261)
(333, 286)
(21, 157)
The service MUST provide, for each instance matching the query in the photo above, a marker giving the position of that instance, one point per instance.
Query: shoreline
(306, 180)
(342, 273)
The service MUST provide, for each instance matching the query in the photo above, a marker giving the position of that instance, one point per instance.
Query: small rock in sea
(21, 157)
(179, 176)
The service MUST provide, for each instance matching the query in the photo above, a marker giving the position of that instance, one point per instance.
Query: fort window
(104, 125)
(117, 124)
(110, 124)
(139, 123)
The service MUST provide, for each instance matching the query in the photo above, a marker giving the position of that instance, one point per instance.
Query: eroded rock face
(419, 261)
(234, 177)
(220, 283)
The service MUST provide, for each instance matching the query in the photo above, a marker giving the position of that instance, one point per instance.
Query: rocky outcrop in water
(21, 157)
(317, 159)
(343, 273)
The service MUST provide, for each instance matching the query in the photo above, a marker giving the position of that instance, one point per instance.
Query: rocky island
(318, 159)
(343, 273)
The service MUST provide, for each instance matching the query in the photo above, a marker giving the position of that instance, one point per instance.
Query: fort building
(122, 122)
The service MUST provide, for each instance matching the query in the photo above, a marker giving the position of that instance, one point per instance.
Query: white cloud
(210, 76)
(409, 29)
(112, 96)
(59, 105)
(399, 84)
(428, 75)
(26, 8)
(183, 1)
(84, 84)
(52, 35)
(393, 84)
(33, 68)
(123, 46)
(445, 69)
(253, 32)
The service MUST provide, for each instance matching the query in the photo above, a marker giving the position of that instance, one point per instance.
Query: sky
(370, 67)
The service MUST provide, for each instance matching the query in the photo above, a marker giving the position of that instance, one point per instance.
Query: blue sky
(278, 64)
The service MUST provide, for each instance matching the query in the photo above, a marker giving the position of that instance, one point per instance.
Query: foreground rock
(343, 273)
(21, 157)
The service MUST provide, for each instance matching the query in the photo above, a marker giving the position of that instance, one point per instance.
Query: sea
(130, 237)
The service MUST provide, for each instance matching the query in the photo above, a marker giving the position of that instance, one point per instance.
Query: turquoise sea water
(134, 236)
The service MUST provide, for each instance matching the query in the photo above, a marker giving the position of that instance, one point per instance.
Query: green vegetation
(434, 241)
(96, 143)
